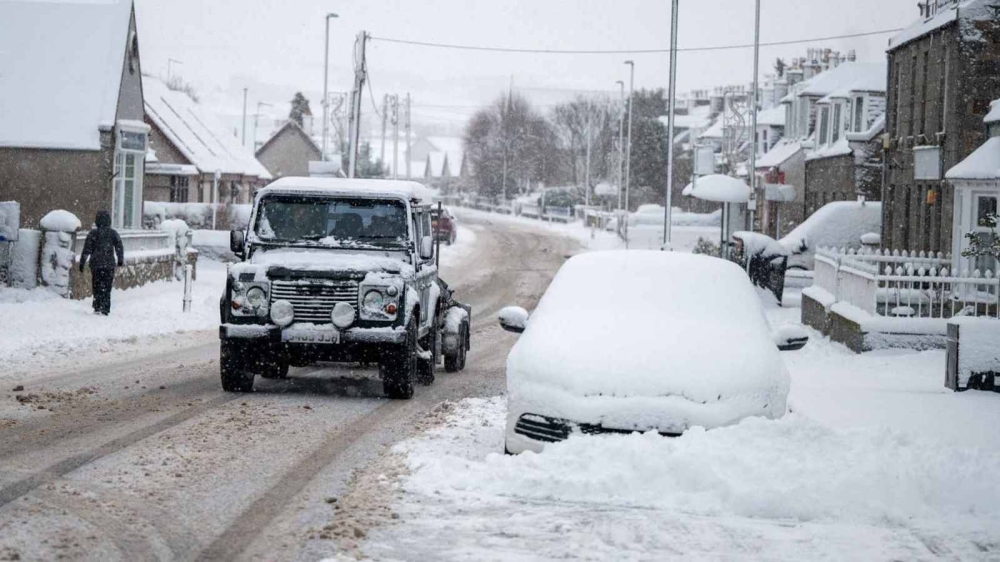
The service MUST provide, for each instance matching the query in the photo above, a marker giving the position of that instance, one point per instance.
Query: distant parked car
(681, 341)
(838, 224)
(444, 226)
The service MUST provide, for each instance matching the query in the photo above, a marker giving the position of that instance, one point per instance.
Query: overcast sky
(276, 47)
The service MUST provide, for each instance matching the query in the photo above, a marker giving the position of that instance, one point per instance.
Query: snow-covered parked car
(681, 341)
(339, 270)
(839, 224)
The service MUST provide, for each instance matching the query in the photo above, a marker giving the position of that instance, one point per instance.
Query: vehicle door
(426, 270)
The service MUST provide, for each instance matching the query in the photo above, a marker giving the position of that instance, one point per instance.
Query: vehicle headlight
(282, 313)
(342, 315)
(256, 298)
(373, 301)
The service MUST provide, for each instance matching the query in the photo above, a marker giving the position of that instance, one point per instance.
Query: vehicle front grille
(551, 430)
(313, 301)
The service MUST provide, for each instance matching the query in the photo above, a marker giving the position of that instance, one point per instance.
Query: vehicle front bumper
(313, 334)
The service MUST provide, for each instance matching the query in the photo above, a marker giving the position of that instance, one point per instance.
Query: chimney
(852, 55)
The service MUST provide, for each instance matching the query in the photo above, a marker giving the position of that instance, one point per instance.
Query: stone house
(289, 151)
(192, 155)
(943, 73)
(71, 121)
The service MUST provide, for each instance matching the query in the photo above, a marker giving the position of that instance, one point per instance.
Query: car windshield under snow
(332, 222)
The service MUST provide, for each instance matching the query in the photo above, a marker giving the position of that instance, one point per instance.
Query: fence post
(187, 287)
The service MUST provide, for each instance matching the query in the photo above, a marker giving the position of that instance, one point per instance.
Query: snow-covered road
(142, 456)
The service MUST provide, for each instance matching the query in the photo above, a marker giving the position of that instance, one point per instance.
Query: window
(836, 123)
(986, 207)
(927, 163)
(859, 108)
(126, 193)
(913, 96)
(234, 193)
(923, 94)
(897, 106)
(179, 186)
(824, 125)
(942, 89)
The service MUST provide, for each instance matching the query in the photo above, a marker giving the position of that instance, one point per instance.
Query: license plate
(310, 336)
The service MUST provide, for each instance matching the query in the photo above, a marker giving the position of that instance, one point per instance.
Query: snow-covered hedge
(197, 216)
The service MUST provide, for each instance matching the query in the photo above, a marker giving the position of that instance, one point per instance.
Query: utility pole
(586, 174)
(256, 118)
(506, 139)
(671, 110)
(395, 136)
(752, 172)
(621, 140)
(243, 138)
(326, 84)
(360, 75)
(408, 135)
(628, 153)
(385, 118)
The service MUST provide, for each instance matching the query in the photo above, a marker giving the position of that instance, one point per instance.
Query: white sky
(275, 47)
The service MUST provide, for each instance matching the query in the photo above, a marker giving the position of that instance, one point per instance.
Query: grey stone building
(71, 118)
(288, 152)
(943, 74)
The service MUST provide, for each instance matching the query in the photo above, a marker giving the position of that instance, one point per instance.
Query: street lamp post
(752, 172)
(621, 139)
(628, 152)
(326, 83)
(667, 212)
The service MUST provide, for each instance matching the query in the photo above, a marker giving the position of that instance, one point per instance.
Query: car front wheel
(399, 367)
(233, 368)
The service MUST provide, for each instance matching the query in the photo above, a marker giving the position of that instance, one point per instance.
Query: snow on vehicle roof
(409, 190)
(838, 224)
(60, 72)
(196, 132)
(684, 328)
(721, 189)
(982, 164)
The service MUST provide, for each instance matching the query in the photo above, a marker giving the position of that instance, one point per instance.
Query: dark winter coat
(103, 246)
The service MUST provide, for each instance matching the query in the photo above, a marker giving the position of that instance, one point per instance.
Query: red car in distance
(444, 226)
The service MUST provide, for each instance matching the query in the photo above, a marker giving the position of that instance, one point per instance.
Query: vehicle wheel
(399, 368)
(274, 367)
(456, 362)
(233, 368)
(425, 368)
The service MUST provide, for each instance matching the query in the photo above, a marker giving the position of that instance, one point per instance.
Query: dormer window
(824, 125)
(837, 124)
(859, 112)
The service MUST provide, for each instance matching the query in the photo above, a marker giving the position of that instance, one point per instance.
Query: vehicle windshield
(332, 222)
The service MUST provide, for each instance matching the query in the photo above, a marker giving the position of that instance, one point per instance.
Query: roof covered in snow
(848, 77)
(923, 26)
(773, 117)
(196, 133)
(982, 164)
(60, 71)
(336, 186)
(721, 189)
(994, 115)
(840, 148)
(779, 154)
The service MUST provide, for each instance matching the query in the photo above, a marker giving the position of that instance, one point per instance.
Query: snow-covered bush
(57, 252)
(706, 247)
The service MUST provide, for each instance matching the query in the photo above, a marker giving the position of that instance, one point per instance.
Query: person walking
(105, 251)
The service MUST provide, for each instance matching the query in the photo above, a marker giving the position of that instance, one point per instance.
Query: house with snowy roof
(944, 71)
(193, 158)
(71, 118)
(288, 151)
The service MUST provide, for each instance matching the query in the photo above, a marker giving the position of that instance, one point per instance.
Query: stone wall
(135, 273)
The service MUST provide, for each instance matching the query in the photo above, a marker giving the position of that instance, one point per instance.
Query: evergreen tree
(300, 108)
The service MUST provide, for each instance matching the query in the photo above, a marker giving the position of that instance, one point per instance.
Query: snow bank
(10, 216)
(756, 244)
(687, 346)
(838, 224)
(60, 221)
(979, 347)
(721, 189)
(653, 215)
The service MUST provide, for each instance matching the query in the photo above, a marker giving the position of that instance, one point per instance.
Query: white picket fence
(902, 284)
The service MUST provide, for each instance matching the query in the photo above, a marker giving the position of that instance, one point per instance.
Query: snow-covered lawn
(877, 461)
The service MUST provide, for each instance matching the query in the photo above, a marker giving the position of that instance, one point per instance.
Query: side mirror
(236, 242)
(514, 319)
(426, 248)
(791, 338)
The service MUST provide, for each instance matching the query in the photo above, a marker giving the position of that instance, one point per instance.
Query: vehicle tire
(233, 368)
(456, 362)
(398, 368)
(426, 368)
(464, 347)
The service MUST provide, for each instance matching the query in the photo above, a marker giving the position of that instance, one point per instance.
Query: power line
(628, 51)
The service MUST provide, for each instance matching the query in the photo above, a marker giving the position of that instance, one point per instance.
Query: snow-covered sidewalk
(876, 462)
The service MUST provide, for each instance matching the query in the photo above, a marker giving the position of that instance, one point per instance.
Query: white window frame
(860, 124)
(118, 181)
(823, 127)
(837, 119)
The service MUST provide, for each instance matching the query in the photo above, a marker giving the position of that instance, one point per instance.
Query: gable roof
(60, 71)
(923, 26)
(196, 133)
(294, 128)
(849, 76)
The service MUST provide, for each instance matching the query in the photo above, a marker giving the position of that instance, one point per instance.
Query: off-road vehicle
(343, 271)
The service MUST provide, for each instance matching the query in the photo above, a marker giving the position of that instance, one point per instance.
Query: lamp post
(621, 139)
(752, 172)
(628, 152)
(667, 212)
(326, 74)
